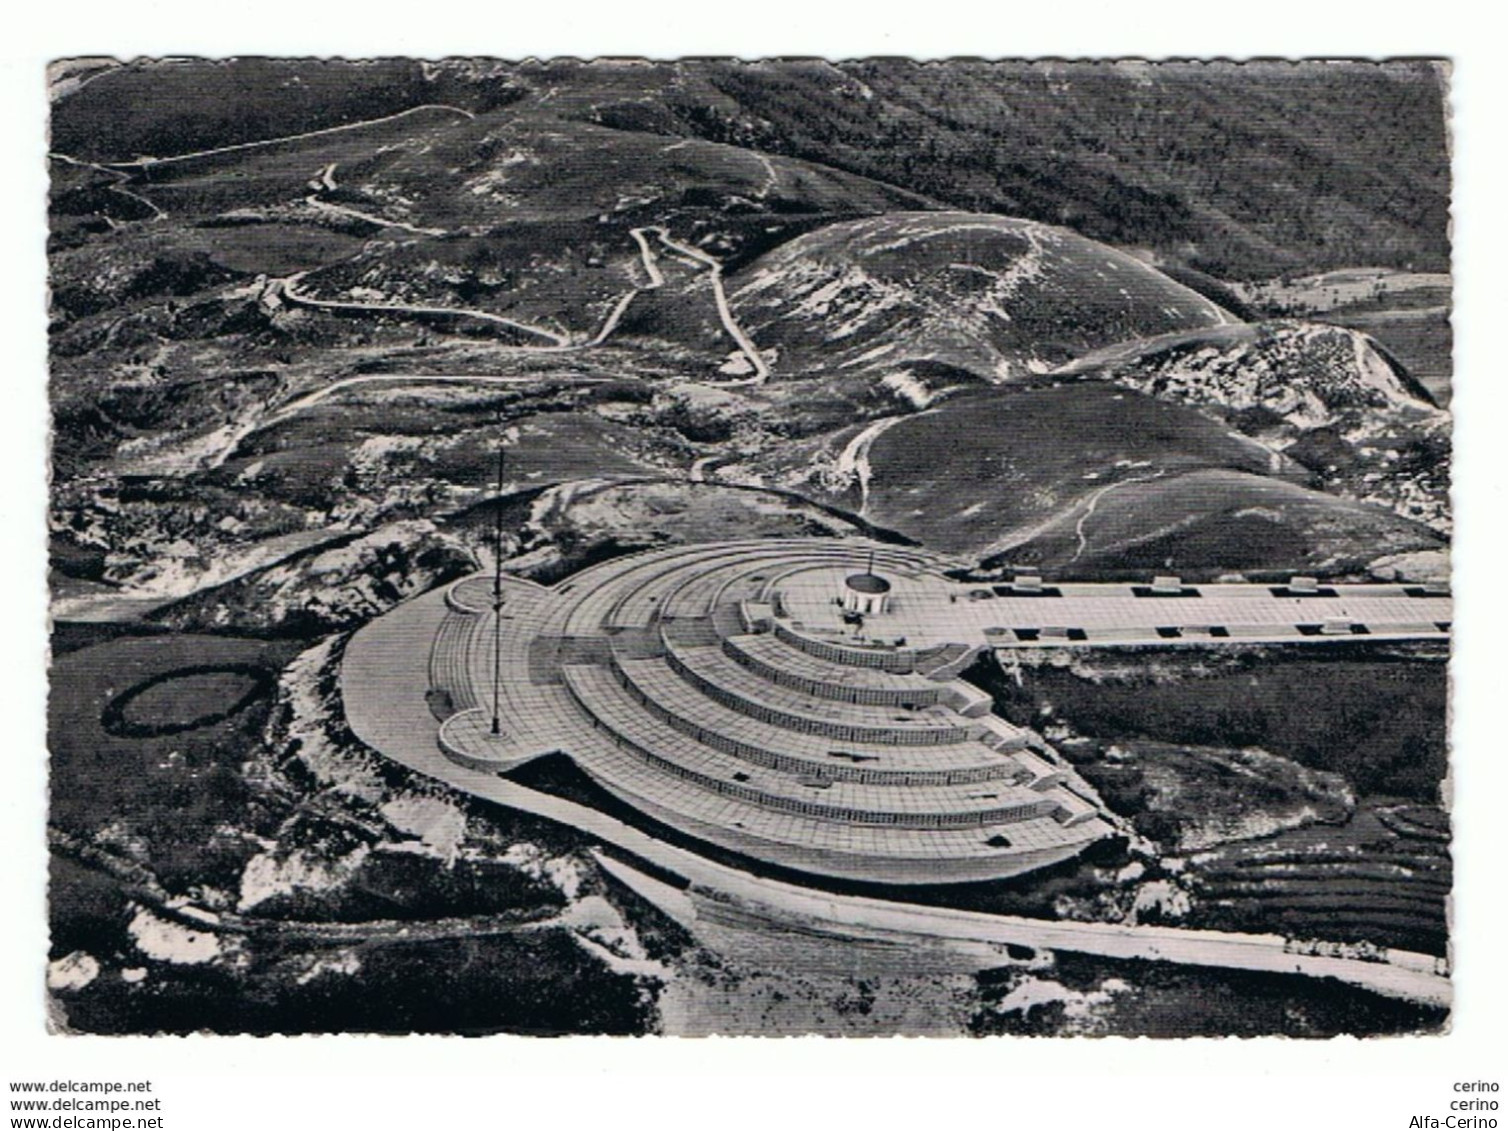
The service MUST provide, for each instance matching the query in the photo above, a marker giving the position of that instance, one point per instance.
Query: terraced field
(1379, 879)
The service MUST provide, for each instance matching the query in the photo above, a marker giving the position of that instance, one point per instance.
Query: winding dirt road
(558, 341)
(298, 404)
(177, 158)
(289, 289)
(325, 182)
(1094, 501)
(117, 187)
(854, 459)
(724, 311)
(124, 169)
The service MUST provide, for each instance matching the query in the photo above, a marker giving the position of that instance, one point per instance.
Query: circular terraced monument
(798, 701)
(732, 693)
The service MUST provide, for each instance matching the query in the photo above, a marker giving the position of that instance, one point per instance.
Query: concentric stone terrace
(797, 701)
(680, 681)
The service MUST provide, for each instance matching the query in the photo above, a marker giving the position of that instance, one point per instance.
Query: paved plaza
(926, 610)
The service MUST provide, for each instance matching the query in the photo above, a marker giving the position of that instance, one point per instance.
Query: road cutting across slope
(178, 158)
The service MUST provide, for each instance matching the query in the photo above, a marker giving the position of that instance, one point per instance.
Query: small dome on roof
(867, 583)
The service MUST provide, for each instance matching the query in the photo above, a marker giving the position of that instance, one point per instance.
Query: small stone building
(866, 594)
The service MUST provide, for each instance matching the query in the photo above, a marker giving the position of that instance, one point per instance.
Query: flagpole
(497, 599)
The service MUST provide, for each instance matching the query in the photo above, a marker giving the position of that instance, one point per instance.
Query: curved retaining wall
(786, 763)
(456, 751)
(807, 724)
(873, 868)
(791, 764)
(981, 818)
(838, 692)
(902, 661)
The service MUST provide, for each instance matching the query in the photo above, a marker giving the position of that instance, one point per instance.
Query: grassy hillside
(1088, 480)
(1207, 522)
(169, 106)
(984, 465)
(987, 293)
(1373, 714)
(1244, 170)
(516, 190)
(520, 165)
(166, 793)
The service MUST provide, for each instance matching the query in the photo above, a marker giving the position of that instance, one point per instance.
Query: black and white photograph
(844, 547)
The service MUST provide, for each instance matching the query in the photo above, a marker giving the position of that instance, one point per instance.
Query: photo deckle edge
(732, 547)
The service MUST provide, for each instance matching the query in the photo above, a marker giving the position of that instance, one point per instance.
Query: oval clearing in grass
(184, 699)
